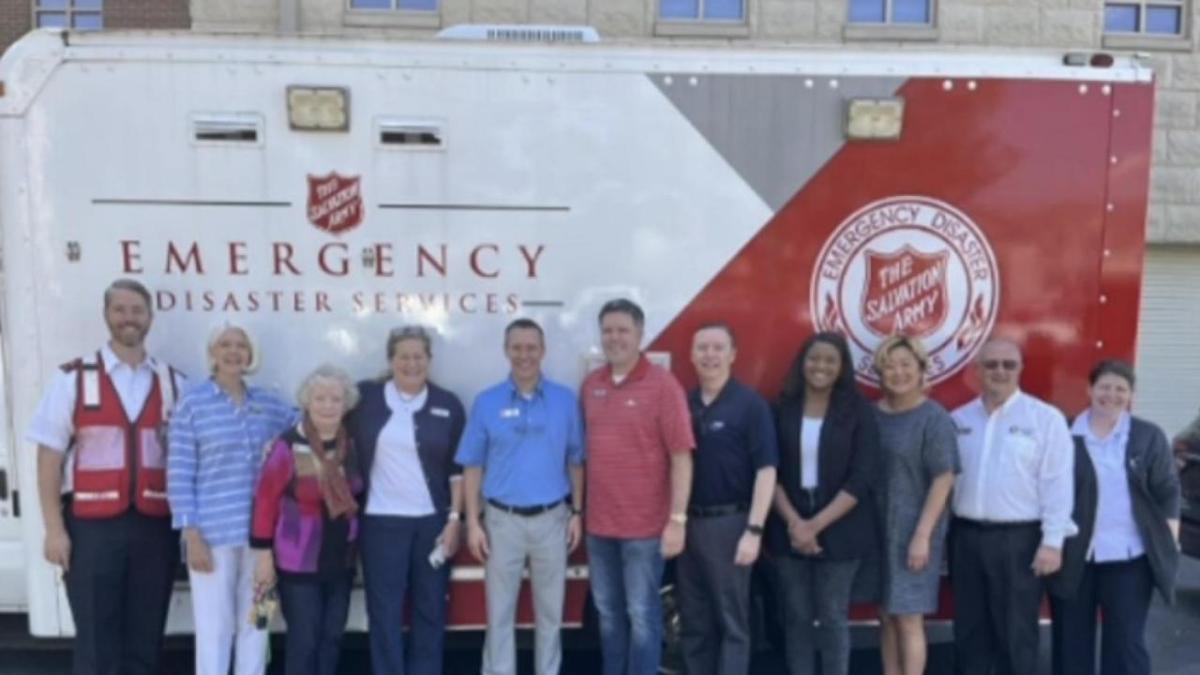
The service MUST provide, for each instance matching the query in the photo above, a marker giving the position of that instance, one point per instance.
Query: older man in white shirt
(1012, 507)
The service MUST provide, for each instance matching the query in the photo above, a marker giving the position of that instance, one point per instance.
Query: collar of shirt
(252, 393)
(398, 400)
(112, 362)
(697, 396)
(639, 371)
(1082, 427)
(538, 390)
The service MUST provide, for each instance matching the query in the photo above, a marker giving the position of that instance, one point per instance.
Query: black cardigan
(1155, 495)
(848, 459)
(439, 425)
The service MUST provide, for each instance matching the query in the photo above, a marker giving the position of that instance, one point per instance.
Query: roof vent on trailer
(520, 33)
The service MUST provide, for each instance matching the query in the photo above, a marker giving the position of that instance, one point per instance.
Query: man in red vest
(102, 487)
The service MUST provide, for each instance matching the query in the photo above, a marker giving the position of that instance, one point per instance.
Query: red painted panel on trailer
(1026, 161)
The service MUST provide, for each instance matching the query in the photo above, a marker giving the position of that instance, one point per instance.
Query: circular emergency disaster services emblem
(910, 265)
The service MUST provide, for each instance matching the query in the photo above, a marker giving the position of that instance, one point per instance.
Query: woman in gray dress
(920, 460)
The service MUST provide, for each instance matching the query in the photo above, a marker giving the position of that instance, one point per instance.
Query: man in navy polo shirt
(524, 444)
(734, 477)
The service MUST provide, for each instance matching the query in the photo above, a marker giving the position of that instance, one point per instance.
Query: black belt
(526, 510)
(995, 524)
(717, 511)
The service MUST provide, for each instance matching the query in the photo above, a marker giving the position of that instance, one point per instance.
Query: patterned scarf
(335, 489)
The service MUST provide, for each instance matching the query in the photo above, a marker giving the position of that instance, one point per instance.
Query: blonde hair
(895, 342)
(215, 336)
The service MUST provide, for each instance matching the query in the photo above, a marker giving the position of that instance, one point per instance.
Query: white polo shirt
(1017, 465)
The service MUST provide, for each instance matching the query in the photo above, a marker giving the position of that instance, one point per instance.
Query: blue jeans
(626, 577)
(395, 554)
(315, 612)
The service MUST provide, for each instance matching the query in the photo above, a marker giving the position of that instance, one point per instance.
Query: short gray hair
(327, 373)
(223, 328)
(410, 332)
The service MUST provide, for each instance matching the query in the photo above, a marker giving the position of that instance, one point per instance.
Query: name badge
(599, 393)
(716, 426)
(1020, 431)
(439, 412)
(510, 412)
(630, 403)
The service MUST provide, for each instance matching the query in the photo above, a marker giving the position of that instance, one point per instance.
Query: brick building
(1164, 30)
(17, 17)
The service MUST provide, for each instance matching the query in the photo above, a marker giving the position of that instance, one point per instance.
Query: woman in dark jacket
(406, 430)
(1127, 510)
(822, 531)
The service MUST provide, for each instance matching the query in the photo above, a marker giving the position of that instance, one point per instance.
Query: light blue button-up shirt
(216, 451)
(524, 444)
(1115, 536)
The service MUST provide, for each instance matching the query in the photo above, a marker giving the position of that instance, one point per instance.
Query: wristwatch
(755, 530)
(680, 518)
(575, 511)
(453, 516)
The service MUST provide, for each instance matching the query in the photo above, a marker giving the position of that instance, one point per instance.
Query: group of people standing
(854, 499)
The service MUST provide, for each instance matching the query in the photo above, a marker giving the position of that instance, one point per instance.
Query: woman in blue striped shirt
(217, 435)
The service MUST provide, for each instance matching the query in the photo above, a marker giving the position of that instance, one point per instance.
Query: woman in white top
(822, 530)
(1127, 511)
(405, 430)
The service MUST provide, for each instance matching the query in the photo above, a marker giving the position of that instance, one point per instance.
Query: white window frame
(700, 26)
(393, 17)
(1180, 41)
(889, 30)
(70, 11)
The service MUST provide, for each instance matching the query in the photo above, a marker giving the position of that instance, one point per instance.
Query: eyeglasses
(1007, 364)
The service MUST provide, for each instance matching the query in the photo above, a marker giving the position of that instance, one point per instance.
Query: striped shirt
(216, 451)
(632, 429)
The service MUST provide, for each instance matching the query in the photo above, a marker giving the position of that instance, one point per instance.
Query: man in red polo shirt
(639, 476)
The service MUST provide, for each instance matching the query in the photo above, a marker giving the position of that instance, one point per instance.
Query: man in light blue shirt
(523, 445)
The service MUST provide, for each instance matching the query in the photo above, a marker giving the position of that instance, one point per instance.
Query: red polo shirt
(632, 428)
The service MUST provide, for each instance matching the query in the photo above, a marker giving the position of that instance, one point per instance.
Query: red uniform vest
(119, 462)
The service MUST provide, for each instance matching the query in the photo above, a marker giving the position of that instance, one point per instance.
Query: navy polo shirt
(735, 437)
(524, 444)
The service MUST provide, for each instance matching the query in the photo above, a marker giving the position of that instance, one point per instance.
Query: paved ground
(1174, 635)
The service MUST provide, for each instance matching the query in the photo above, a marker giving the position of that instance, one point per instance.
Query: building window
(75, 14)
(702, 10)
(402, 5)
(896, 12)
(1157, 17)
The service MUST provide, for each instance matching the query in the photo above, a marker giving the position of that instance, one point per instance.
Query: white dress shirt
(810, 446)
(1017, 465)
(398, 486)
(53, 422)
(1115, 535)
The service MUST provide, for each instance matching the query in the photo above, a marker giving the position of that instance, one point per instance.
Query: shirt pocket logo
(439, 412)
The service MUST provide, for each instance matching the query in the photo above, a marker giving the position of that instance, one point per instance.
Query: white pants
(221, 602)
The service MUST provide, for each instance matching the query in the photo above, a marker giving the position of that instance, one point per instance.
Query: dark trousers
(816, 610)
(119, 586)
(1122, 592)
(395, 554)
(996, 598)
(714, 598)
(315, 612)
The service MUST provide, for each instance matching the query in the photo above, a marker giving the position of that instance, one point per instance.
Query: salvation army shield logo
(908, 265)
(335, 202)
(905, 292)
